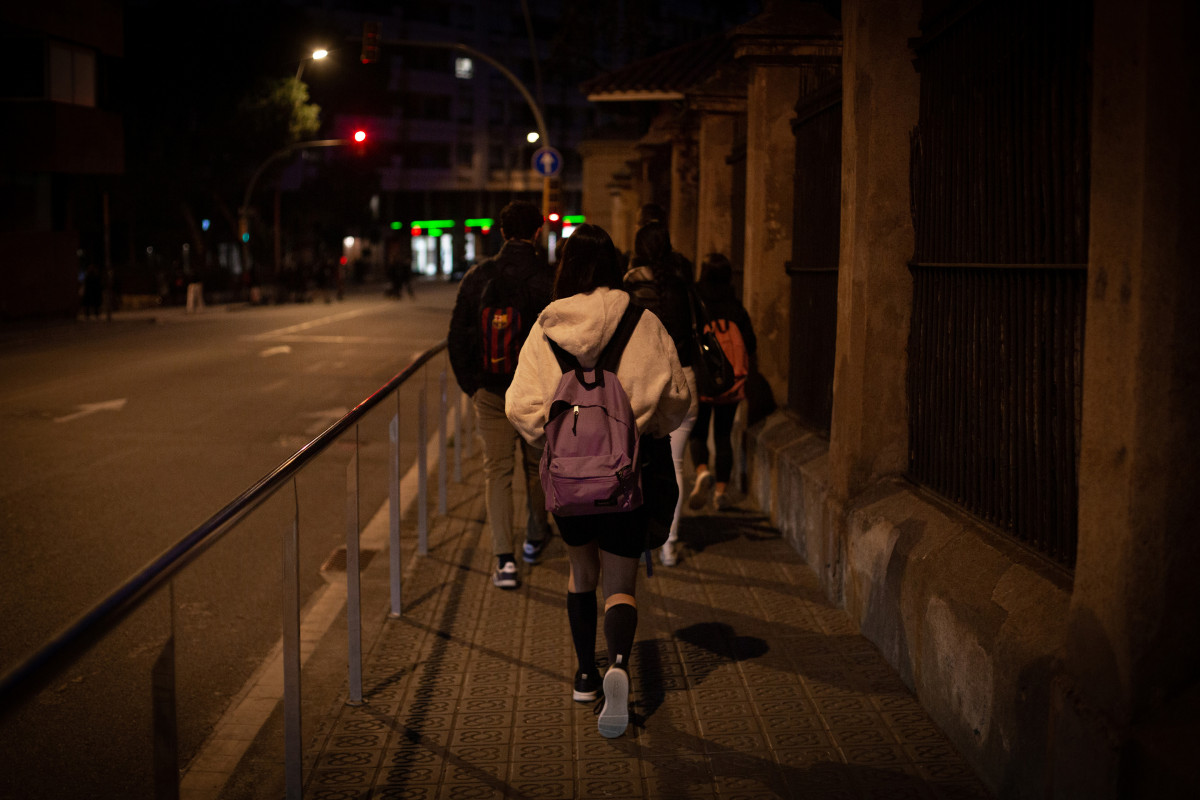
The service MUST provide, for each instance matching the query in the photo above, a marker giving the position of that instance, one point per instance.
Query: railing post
(422, 476)
(442, 444)
(293, 751)
(394, 510)
(165, 725)
(353, 593)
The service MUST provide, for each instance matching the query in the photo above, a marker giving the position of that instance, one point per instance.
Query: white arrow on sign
(275, 351)
(92, 408)
(546, 162)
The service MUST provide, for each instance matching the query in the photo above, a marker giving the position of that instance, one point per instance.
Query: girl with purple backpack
(603, 549)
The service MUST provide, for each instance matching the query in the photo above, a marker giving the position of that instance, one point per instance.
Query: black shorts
(622, 534)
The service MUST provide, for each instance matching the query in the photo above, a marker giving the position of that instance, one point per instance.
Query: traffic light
(370, 43)
(360, 142)
(554, 198)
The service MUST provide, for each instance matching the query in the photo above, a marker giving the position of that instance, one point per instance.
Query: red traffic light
(370, 42)
(360, 136)
(553, 216)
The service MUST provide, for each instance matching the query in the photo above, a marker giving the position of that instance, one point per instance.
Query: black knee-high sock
(581, 613)
(620, 625)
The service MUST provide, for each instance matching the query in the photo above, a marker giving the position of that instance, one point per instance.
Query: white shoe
(666, 555)
(699, 496)
(506, 576)
(614, 717)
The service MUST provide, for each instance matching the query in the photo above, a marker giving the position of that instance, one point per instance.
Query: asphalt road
(120, 437)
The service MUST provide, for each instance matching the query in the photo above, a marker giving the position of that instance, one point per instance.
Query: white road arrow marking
(92, 408)
(275, 351)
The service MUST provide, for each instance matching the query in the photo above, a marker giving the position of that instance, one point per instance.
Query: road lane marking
(304, 326)
(275, 351)
(91, 408)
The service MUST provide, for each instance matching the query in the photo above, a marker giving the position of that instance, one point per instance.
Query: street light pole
(317, 55)
(515, 81)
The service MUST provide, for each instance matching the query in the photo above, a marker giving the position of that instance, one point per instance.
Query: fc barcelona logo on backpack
(502, 324)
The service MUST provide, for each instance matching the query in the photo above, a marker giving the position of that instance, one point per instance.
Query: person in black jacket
(519, 273)
(715, 287)
(656, 280)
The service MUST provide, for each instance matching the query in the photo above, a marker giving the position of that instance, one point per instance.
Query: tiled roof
(666, 76)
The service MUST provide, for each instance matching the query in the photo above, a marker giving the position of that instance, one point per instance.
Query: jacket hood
(583, 323)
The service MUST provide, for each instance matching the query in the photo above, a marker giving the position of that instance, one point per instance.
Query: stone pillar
(770, 167)
(607, 187)
(869, 432)
(684, 193)
(1132, 658)
(714, 227)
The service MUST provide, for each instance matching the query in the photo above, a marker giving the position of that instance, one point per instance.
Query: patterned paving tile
(746, 684)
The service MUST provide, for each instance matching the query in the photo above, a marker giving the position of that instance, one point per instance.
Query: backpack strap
(566, 361)
(610, 356)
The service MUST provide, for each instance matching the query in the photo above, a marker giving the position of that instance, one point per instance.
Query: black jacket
(518, 261)
(665, 296)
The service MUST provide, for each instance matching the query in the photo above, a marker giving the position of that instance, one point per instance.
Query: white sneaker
(699, 496)
(506, 576)
(614, 717)
(666, 555)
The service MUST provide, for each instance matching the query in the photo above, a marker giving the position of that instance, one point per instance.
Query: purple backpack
(590, 464)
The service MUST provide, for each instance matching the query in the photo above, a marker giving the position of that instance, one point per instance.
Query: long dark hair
(652, 247)
(589, 261)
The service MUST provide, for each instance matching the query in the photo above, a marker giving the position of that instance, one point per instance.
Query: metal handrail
(24, 680)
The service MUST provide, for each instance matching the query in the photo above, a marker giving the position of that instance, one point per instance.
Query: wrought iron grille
(1000, 210)
(815, 250)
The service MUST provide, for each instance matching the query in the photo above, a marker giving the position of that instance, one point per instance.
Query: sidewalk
(746, 683)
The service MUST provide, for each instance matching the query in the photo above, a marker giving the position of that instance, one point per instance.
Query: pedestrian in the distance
(655, 282)
(603, 548)
(715, 287)
(93, 292)
(498, 301)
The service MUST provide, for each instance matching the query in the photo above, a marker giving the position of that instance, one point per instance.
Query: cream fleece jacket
(582, 324)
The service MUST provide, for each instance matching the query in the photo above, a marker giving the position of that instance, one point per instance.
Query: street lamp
(317, 55)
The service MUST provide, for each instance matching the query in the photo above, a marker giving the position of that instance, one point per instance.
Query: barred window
(1000, 166)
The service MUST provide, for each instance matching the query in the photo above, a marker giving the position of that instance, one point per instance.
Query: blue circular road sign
(547, 161)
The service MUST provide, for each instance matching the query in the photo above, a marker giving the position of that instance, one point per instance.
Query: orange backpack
(729, 336)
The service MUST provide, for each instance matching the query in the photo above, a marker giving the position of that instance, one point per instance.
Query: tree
(278, 113)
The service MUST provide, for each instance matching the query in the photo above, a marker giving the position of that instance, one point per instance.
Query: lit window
(464, 68)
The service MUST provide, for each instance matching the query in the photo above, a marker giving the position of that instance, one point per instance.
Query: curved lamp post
(317, 55)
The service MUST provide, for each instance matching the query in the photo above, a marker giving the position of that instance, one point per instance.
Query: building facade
(962, 235)
(63, 147)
